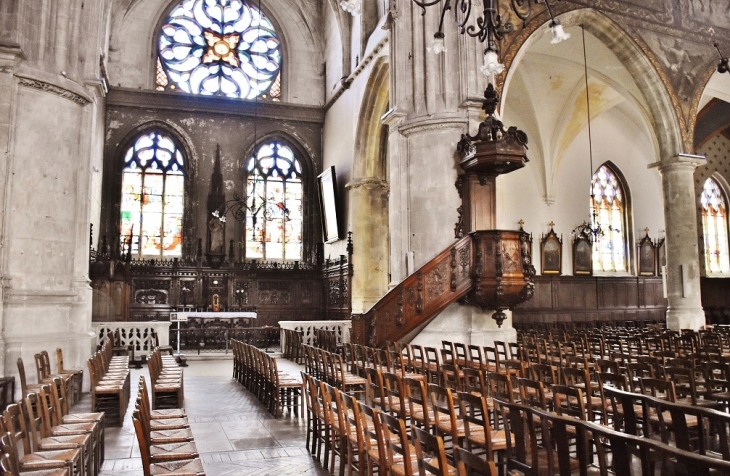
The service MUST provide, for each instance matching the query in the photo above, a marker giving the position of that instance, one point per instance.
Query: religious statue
(215, 227)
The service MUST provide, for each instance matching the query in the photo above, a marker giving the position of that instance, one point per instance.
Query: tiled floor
(234, 433)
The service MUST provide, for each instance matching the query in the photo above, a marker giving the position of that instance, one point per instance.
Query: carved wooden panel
(419, 297)
(588, 299)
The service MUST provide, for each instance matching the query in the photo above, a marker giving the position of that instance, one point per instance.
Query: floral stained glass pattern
(609, 252)
(274, 204)
(714, 228)
(152, 197)
(219, 48)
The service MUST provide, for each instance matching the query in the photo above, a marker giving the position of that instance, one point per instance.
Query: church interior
(495, 180)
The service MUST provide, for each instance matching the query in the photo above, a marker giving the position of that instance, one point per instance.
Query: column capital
(679, 161)
(370, 183)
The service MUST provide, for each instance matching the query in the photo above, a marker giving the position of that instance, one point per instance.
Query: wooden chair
(190, 465)
(418, 401)
(356, 451)
(25, 388)
(377, 460)
(10, 464)
(479, 437)
(38, 431)
(400, 453)
(336, 441)
(431, 454)
(447, 421)
(469, 464)
(38, 460)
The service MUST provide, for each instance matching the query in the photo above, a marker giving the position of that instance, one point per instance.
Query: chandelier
(490, 26)
(724, 65)
(237, 208)
(592, 230)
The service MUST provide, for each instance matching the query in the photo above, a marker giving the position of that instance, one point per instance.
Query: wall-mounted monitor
(327, 183)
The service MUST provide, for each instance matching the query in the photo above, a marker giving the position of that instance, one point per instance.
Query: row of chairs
(166, 381)
(109, 375)
(292, 346)
(165, 440)
(72, 378)
(331, 368)
(547, 443)
(259, 373)
(40, 434)
(369, 440)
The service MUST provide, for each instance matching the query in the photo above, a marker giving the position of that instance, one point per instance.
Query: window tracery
(714, 228)
(274, 195)
(609, 202)
(219, 48)
(152, 204)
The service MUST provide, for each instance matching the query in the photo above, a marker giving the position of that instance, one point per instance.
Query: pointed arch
(610, 203)
(368, 192)
(713, 213)
(666, 119)
(278, 177)
(113, 190)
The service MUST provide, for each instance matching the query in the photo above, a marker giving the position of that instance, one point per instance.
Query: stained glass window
(274, 203)
(152, 197)
(219, 48)
(608, 202)
(714, 228)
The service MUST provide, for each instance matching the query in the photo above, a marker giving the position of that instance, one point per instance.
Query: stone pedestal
(684, 309)
(466, 324)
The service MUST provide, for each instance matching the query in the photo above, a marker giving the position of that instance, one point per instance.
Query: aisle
(234, 433)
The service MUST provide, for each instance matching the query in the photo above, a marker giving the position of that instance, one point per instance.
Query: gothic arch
(368, 193)
(628, 217)
(310, 210)
(666, 117)
(113, 175)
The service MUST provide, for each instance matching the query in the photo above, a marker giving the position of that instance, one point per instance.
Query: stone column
(683, 270)
(369, 198)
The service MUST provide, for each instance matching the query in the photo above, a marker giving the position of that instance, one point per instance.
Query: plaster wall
(332, 53)
(616, 138)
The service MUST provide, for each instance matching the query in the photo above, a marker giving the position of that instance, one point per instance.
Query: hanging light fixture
(724, 65)
(490, 26)
(351, 6)
(591, 230)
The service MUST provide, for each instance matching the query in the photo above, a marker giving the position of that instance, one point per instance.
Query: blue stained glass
(219, 47)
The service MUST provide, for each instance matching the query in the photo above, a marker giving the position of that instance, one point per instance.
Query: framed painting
(647, 256)
(551, 253)
(582, 256)
(327, 184)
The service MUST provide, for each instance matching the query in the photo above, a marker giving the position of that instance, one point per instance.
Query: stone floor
(234, 433)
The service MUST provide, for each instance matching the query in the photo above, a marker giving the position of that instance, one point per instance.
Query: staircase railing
(418, 298)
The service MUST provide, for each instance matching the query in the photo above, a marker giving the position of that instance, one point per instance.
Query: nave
(233, 431)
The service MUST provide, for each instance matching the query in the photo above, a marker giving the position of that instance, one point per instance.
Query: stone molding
(170, 101)
(53, 89)
(370, 183)
(679, 161)
(345, 84)
(25, 297)
(433, 124)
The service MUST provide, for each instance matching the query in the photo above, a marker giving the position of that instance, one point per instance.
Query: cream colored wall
(616, 138)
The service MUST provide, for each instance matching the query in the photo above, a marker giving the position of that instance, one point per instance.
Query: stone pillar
(683, 270)
(369, 199)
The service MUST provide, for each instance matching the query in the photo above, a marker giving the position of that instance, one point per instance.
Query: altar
(185, 315)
